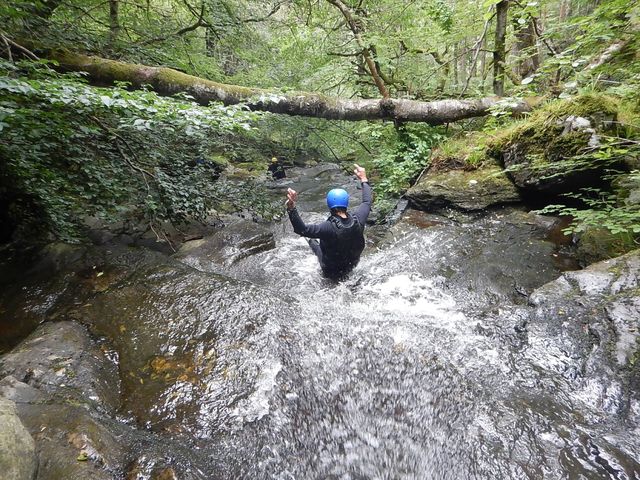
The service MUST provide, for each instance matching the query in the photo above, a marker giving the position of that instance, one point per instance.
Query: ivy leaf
(106, 101)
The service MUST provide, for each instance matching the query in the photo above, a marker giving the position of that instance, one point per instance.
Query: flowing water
(417, 366)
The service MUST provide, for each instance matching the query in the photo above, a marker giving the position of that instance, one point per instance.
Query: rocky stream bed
(466, 345)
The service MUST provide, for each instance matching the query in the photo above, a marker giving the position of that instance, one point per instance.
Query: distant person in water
(276, 169)
(342, 234)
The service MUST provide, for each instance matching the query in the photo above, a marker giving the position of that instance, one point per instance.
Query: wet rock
(627, 188)
(31, 284)
(320, 171)
(59, 358)
(596, 244)
(18, 460)
(182, 340)
(152, 469)
(396, 214)
(73, 443)
(19, 392)
(226, 247)
(484, 260)
(55, 257)
(586, 328)
(467, 190)
(67, 391)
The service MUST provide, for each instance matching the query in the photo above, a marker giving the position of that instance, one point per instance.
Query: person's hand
(292, 196)
(360, 173)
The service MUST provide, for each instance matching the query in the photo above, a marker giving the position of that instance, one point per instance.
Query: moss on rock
(538, 132)
(546, 123)
(466, 190)
(467, 152)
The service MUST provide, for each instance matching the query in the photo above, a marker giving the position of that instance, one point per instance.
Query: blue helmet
(337, 198)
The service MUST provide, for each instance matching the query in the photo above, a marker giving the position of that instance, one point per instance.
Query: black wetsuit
(277, 171)
(341, 239)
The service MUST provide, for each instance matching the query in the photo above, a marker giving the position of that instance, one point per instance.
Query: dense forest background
(74, 146)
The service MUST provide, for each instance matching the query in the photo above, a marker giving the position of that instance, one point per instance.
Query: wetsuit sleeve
(362, 212)
(317, 230)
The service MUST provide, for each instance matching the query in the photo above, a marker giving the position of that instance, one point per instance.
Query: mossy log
(166, 81)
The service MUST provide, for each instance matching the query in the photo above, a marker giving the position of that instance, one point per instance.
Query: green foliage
(466, 151)
(443, 14)
(73, 150)
(573, 67)
(402, 154)
(604, 210)
(70, 150)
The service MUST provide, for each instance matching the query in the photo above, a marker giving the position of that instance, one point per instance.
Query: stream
(238, 362)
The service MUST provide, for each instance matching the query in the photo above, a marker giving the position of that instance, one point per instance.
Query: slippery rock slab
(73, 443)
(466, 190)
(18, 460)
(227, 246)
(191, 345)
(60, 358)
(585, 327)
(31, 284)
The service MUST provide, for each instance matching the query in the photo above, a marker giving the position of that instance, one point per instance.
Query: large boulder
(591, 318)
(31, 283)
(602, 238)
(466, 190)
(61, 357)
(59, 379)
(549, 151)
(595, 244)
(18, 459)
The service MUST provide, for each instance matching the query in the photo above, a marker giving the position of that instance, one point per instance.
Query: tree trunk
(114, 23)
(462, 68)
(210, 41)
(483, 64)
(443, 64)
(564, 10)
(166, 81)
(365, 51)
(456, 76)
(499, 49)
(529, 61)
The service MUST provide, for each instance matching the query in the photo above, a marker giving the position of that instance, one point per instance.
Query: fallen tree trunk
(166, 81)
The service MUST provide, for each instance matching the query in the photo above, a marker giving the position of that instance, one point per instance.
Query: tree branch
(347, 55)
(199, 23)
(166, 81)
(126, 159)
(534, 22)
(24, 50)
(7, 47)
(609, 52)
(477, 52)
(355, 29)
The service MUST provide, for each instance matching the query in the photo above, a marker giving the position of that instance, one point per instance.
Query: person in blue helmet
(341, 236)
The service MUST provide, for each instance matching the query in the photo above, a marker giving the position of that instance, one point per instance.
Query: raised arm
(319, 230)
(363, 210)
